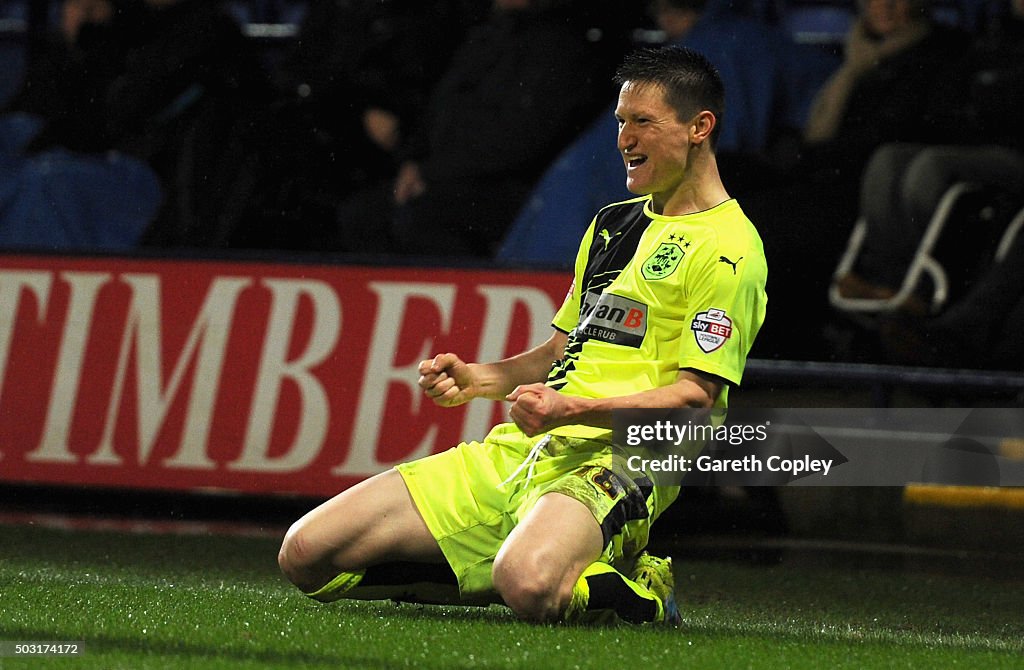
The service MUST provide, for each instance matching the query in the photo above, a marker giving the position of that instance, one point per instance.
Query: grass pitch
(172, 601)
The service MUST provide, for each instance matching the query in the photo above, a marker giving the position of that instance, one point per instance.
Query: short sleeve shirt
(654, 294)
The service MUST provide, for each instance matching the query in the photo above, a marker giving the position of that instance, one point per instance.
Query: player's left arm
(537, 408)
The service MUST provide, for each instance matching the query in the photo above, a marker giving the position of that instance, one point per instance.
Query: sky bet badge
(711, 328)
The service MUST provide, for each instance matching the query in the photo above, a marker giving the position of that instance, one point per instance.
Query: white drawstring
(529, 461)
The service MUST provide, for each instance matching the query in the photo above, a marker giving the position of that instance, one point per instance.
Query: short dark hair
(691, 83)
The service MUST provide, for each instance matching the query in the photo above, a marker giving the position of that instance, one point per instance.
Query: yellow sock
(337, 587)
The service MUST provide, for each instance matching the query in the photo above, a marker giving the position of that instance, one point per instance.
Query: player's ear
(701, 126)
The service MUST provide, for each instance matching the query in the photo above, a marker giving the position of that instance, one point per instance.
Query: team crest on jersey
(663, 262)
(711, 328)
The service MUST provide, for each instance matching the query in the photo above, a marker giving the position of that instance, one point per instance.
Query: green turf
(165, 602)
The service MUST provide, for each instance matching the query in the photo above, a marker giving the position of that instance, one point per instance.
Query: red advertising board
(240, 376)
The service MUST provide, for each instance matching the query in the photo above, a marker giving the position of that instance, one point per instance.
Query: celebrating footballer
(667, 297)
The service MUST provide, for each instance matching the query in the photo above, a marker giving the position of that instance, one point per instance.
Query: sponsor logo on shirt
(711, 328)
(608, 237)
(607, 317)
(732, 264)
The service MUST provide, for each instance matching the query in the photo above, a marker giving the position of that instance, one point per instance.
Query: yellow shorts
(473, 495)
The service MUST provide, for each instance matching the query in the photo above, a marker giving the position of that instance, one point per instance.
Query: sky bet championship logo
(611, 318)
(711, 328)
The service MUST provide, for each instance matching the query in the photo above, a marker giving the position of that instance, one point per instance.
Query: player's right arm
(449, 381)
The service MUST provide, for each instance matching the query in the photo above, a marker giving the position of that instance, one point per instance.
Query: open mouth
(636, 162)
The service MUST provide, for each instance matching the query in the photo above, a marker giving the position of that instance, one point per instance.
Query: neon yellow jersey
(655, 294)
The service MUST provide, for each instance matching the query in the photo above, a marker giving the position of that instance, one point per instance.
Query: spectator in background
(520, 85)
(63, 185)
(903, 182)
(158, 81)
(189, 74)
(894, 85)
(981, 326)
(897, 60)
(63, 84)
(355, 80)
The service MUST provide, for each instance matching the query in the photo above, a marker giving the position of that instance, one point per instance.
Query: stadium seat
(58, 200)
(1010, 235)
(980, 209)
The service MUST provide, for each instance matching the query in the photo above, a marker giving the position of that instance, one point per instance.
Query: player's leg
(549, 569)
(374, 523)
(543, 557)
(556, 564)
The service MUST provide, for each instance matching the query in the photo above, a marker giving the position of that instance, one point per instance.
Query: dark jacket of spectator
(512, 96)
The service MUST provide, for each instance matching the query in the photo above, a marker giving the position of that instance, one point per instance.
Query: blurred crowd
(362, 131)
(483, 129)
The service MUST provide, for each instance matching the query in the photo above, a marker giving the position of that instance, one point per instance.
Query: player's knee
(531, 590)
(296, 560)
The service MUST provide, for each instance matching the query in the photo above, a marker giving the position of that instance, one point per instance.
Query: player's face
(653, 142)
